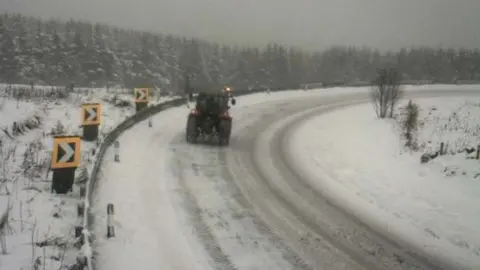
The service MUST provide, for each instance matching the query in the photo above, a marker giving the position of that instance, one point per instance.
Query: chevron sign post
(65, 160)
(141, 98)
(91, 119)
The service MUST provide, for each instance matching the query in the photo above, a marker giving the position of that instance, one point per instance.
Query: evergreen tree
(41, 51)
(57, 60)
(53, 52)
(10, 68)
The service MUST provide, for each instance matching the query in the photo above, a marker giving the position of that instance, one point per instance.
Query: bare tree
(386, 92)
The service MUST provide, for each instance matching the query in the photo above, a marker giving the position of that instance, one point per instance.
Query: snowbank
(437, 205)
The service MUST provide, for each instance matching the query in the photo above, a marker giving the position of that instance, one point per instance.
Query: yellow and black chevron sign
(91, 114)
(66, 152)
(141, 94)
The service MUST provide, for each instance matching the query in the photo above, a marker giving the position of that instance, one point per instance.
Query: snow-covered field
(352, 153)
(40, 227)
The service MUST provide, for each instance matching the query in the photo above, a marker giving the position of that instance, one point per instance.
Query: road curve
(251, 209)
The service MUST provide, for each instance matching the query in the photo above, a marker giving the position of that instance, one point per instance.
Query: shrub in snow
(33, 122)
(451, 170)
(118, 101)
(440, 130)
(58, 129)
(7, 158)
(122, 103)
(15, 129)
(80, 265)
(22, 92)
(426, 157)
(20, 128)
(82, 177)
(410, 125)
(386, 92)
(459, 128)
(31, 164)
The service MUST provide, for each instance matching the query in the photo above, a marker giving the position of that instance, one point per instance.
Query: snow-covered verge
(333, 91)
(39, 231)
(363, 159)
(453, 122)
(439, 87)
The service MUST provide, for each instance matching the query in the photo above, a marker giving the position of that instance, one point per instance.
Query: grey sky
(311, 24)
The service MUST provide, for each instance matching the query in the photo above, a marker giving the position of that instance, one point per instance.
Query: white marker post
(117, 151)
(110, 213)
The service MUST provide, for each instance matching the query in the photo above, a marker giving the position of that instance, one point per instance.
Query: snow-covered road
(182, 206)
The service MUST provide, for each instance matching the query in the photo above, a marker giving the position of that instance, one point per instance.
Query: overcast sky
(311, 24)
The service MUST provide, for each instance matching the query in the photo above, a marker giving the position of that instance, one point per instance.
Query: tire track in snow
(212, 196)
(314, 250)
(202, 229)
(220, 221)
(287, 253)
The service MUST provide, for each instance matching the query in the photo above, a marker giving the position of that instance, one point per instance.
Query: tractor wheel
(191, 132)
(224, 132)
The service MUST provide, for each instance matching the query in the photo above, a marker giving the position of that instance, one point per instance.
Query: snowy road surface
(181, 206)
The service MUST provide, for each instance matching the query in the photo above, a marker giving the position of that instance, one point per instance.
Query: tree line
(87, 54)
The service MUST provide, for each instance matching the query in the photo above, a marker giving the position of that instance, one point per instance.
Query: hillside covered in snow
(90, 54)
